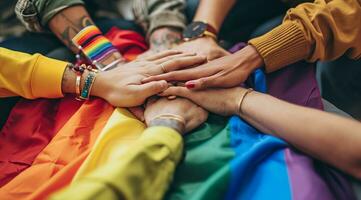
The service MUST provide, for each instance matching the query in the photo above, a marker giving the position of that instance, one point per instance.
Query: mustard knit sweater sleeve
(323, 30)
(30, 76)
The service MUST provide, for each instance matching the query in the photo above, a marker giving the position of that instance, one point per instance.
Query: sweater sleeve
(35, 14)
(144, 171)
(323, 30)
(154, 14)
(30, 76)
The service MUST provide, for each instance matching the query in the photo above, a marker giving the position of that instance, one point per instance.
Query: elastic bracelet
(93, 45)
(172, 121)
(88, 84)
(249, 90)
(170, 116)
(79, 70)
(77, 85)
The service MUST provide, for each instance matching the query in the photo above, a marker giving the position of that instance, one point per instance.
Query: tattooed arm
(164, 38)
(67, 23)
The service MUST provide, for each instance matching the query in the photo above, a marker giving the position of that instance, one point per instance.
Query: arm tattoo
(72, 28)
(164, 39)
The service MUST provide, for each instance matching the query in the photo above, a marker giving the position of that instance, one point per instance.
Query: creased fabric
(75, 130)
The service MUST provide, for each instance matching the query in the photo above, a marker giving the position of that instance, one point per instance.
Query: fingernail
(172, 97)
(190, 85)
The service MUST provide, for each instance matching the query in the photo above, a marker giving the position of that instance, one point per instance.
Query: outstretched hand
(223, 102)
(225, 72)
(122, 86)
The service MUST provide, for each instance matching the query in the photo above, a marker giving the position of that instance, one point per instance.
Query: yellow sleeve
(323, 30)
(142, 169)
(30, 76)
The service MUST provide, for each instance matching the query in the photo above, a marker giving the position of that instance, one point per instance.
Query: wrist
(99, 88)
(68, 81)
(244, 94)
(253, 60)
(172, 123)
(199, 29)
(95, 47)
(164, 38)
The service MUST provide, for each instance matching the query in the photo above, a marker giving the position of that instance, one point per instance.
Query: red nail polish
(190, 85)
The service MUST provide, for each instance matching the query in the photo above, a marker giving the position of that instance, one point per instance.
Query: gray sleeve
(154, 14)
(35, 14)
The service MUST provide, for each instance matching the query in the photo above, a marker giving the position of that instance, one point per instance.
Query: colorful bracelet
(93, 45)
(88, 83)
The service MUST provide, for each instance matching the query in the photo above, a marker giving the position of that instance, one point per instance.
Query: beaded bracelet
(93, 45)
(88, 83)
(79, 70)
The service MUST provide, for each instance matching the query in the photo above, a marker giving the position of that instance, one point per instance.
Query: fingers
(171, 57)
(195, 96)
(138, 112)
(183, 62)
(149, 89)
(204, 83)
(162, 55)
(182, 75)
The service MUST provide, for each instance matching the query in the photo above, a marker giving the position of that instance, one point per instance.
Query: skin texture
(211, 11)
(122, 86)
(192, 114)
(205, 46)
(330, 138)
(162, 39)
(228, 71)
(67, 23)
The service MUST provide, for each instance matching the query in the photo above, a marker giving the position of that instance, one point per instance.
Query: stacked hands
(149, 77)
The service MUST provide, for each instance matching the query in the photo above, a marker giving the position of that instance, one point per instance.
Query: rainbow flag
(228, 159)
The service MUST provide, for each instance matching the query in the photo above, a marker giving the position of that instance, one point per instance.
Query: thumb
(202, 83)
(152, 88)
(181, 92)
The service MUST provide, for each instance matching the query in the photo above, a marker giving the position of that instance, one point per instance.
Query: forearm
(69, 22)
(155, 14)
(330, 138)
(213, 12)
(164, 38)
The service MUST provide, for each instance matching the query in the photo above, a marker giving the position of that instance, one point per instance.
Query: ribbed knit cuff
(284, 45)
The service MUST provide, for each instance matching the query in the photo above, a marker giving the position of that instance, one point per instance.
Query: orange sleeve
(322, 30)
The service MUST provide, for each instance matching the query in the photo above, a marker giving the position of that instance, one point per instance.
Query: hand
(225, 72)
(122, 86)
(205, 46)
(223, 102)
(192, 114)
(162, 39)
